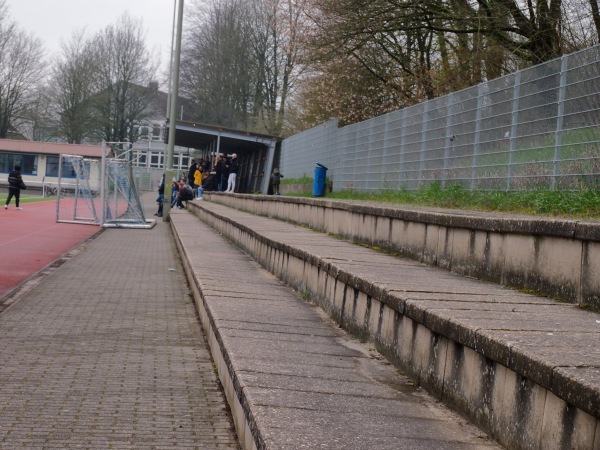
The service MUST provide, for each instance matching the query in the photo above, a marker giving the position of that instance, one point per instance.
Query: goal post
(77, 190)
(121, 206)
(100, 192)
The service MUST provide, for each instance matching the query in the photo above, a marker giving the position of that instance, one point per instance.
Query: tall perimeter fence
(538, 127)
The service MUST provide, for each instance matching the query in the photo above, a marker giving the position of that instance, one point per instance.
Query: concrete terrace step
(524, 368)
(294, 379)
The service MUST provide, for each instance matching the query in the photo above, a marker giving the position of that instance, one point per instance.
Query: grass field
(583, 204)
(26, 199)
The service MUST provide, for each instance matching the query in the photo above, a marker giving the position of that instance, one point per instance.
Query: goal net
(78, 190)
(99, 192)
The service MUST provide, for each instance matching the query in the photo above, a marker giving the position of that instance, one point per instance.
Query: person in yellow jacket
(198, 182)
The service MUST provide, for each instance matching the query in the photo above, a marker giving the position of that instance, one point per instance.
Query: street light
(175, 59)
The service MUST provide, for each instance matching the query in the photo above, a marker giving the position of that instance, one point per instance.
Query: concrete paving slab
(483, 303)
(318, 368)
(496, 323)
(284, 331)
(107, 352)
(287, 373)
(301, 343)
(315, 429)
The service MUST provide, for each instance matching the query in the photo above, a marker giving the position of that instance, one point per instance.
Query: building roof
(50, 148)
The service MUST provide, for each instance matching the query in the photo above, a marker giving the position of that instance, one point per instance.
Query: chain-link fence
(538, 127)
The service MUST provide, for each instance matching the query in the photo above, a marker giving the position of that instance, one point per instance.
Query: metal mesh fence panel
(121, 206)
(538, 127)
(78, 190)
(300, 152)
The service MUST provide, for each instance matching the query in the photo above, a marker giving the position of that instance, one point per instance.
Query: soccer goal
(99, 192)
(78, 190)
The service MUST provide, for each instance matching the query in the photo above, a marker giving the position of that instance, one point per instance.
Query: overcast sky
(53, 20)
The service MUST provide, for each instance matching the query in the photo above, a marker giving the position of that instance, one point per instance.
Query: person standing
(276, 177)
(15, 184)
(220, 171)
(161, 197)
(198, 182)
(190, 177)
(226, 161)
(174, 192)
(233, 170)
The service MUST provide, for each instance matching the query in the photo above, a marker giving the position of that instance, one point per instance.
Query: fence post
(564, 64)
(384, 156)
(401, 171)
(514, 123)
(450, 138)
(478, 113)
(423, 149)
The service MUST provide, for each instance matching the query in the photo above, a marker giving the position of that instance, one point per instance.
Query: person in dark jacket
(15, 184)
(210, 183)
(161, 197)
(191, 171)
(276, 177)
(233, 170)
(185, 194)
(220, 172)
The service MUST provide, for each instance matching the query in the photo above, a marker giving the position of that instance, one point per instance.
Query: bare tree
(124, 70)
(277, 51)
(22, 68)
(73, 84)
(218, 72)
(240, 61)
(40, 116)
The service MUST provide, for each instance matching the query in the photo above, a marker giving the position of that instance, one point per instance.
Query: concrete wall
(517, 399)
(553, 257)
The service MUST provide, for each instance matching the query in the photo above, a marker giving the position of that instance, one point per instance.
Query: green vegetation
(26, 199)
(302, 180)
(559, 203)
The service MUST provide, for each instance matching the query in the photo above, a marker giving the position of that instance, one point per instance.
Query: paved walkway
(107, 352)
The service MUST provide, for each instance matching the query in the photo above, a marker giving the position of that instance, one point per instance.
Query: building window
(139, 158)
(28, 163)
(4, 163)
(156, 132)
(156, 159)
(185, 162)
(142, 159)
(52, 168)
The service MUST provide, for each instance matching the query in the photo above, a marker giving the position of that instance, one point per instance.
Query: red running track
(30, 239)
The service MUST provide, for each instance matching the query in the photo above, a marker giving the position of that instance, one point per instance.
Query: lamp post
(173, 114)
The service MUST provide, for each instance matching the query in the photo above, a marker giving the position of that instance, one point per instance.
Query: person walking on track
(15, 184)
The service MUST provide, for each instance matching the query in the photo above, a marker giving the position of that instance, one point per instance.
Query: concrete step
(523, 368)
(292, 377)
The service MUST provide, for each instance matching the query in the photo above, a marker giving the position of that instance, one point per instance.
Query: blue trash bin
(319, 182)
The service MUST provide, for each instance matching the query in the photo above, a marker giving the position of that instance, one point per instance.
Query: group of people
(220, 177)
(180, 192)
(201, 176)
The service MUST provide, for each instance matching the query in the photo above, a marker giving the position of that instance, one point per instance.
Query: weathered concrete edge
(522, 363)
(565, 392)
(500, 223)
(522, 252)
(248, 431)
